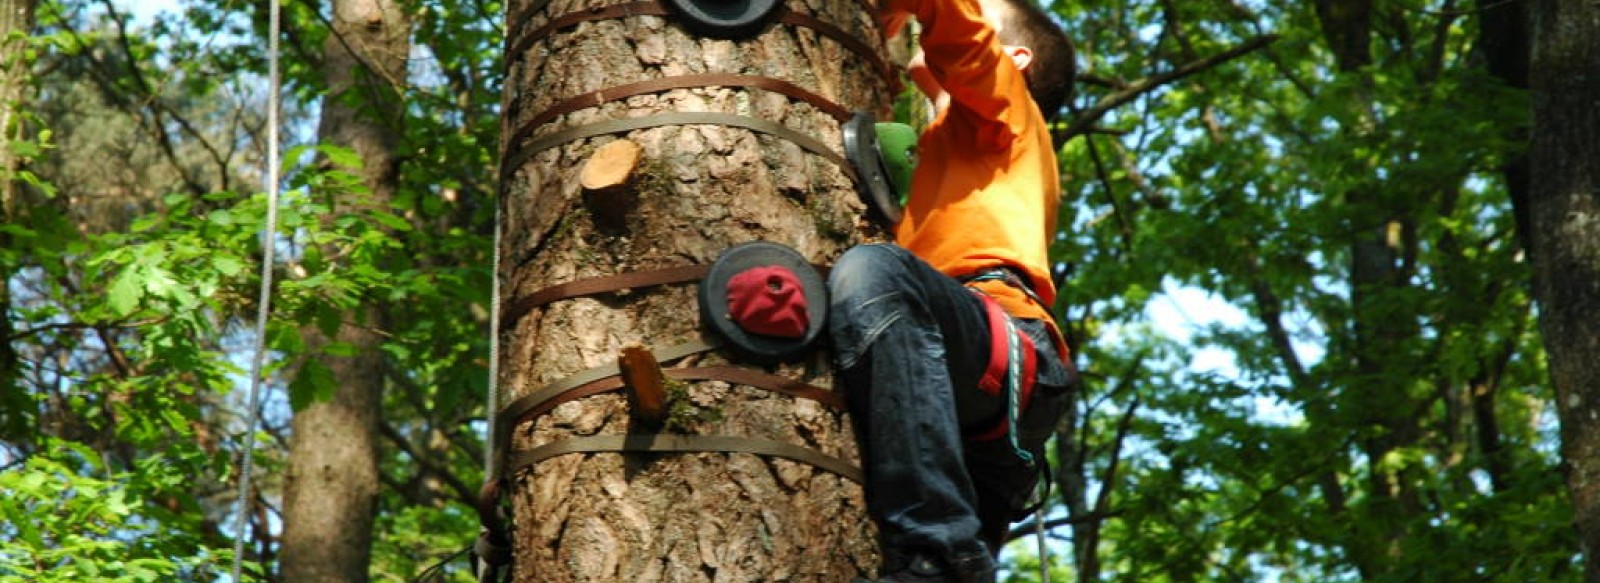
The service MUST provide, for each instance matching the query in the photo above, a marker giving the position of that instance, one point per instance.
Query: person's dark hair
(1050, 76)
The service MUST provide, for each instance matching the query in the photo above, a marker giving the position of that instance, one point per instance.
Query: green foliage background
(1296, 426)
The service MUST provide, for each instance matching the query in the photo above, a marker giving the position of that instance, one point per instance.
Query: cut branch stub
(611, 166)
(607, 179)
(645, 384)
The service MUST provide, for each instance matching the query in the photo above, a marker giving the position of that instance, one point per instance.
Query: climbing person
(955, 370)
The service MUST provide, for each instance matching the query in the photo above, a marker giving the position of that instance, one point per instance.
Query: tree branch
(468, 496)
(1088, 117)
(1124, 226)
(1029, 527)
(1271, 307)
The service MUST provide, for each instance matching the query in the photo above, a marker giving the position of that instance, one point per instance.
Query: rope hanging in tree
(264, 302)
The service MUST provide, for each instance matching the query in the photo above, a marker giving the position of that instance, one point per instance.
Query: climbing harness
(1009, 374)
(1019, 374)
(264, 301)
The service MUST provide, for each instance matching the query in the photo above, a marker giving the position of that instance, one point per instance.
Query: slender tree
(16, 23)
(697, 190)
(330, 498)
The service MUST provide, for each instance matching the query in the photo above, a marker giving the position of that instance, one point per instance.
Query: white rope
(482, 569)
(264, 303)
(494, 350)
(1044, 550)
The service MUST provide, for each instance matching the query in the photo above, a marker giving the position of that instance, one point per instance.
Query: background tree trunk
(1380, 265)
(1565, 219)
(701, 189)
(16, 17)
(330, 498)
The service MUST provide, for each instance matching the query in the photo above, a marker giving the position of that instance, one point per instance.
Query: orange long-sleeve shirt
(986, 187)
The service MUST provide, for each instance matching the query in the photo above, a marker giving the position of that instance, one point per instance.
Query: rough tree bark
(695, 517)
(331, 494)
(1564, 216)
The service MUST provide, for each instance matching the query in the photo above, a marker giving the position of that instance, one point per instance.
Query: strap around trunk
(597, 285)
(674, 118)
(654, 442)
(600, 97)
(655, 8)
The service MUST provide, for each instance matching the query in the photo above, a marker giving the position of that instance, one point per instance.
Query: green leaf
(344, 349)
(227, 265)
(341, 156)
(312, 259)
(125, 292)
(328, 319)
(221, 218)
(285, 337)
(313, 383)
(117, 503)
(391, 221)
(16, 230)
(145, 223)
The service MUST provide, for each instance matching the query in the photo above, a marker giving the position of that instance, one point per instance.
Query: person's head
(1041, 49)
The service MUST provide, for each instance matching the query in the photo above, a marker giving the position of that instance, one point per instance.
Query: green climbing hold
(898, 144)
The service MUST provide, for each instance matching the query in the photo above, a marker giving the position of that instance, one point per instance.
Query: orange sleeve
(965, 56)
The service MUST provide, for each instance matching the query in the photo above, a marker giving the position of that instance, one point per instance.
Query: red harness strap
(994, 376)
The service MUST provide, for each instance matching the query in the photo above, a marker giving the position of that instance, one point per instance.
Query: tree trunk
(1564, 214)
(16, 18)
(1379, 398)
(331, 496)
(682, 517)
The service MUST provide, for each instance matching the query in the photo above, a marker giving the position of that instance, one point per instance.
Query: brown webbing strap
(761, 380)
(515, 411)
(600, 97)
(655, 8)
(515, 310)
(674, 118)
(683, 444)
(538, 403)
(527, 12)
(536, 5)
(576, 17)
(849, 42)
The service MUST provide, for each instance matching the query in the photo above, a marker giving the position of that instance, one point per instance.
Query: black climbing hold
(861, 148)
(727, 19)
(761, 348)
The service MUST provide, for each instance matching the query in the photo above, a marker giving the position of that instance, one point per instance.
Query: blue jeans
(911, 344)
